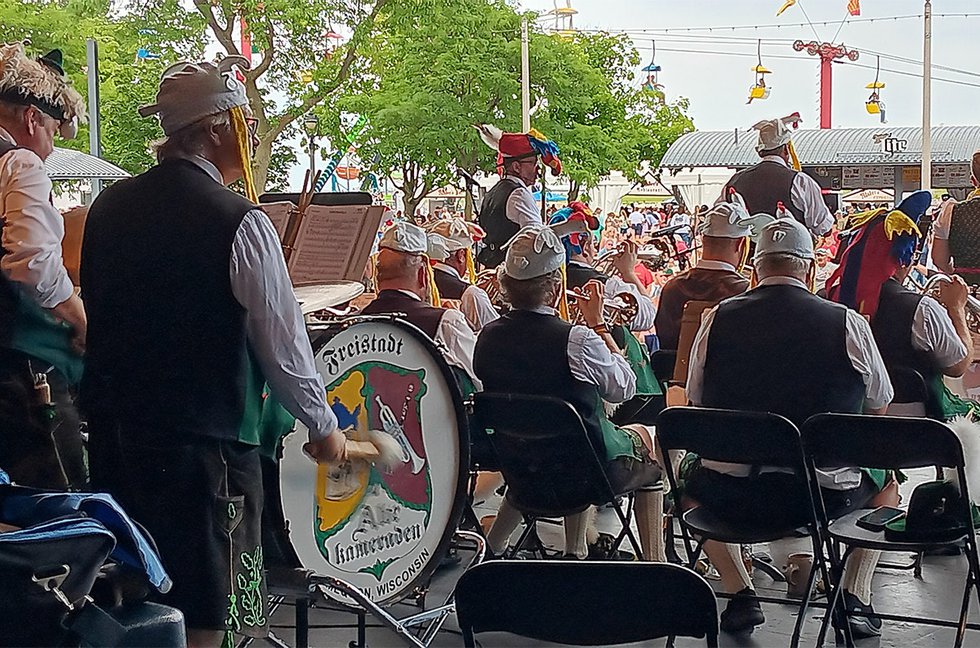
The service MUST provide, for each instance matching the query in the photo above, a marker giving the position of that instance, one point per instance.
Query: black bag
(47, 572)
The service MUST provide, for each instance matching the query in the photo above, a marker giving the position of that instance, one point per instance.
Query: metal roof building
(844, 158)
(66, 164)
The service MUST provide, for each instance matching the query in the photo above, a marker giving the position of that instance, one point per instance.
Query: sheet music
(334, 243)
(279, 214)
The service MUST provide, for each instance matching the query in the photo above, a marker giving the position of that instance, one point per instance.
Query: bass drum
(383, 531)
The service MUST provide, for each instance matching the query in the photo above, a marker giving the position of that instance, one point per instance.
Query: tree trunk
(573, 188)
(260, 164)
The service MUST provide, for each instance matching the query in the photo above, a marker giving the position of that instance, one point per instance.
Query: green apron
(38, 333)
(639, 360)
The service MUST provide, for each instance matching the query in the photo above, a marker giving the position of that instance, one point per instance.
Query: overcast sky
(717, 85)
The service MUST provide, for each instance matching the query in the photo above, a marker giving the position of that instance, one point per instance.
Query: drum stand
(311, 587)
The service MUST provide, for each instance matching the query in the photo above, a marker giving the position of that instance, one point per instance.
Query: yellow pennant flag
(786, 5)
(854, 7)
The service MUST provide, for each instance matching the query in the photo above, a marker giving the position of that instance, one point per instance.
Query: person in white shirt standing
(42, 320)
(775, 185)
(510, 204)
(191, 312)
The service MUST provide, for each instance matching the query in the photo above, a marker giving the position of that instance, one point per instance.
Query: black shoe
(743, 613)
(862, 626)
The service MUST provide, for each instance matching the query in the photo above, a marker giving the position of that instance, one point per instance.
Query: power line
(722, 28)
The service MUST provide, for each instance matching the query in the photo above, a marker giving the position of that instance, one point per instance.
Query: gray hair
(530, 293)
(779, 264)
(189, 140)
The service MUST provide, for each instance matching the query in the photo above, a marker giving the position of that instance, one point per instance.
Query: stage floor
(897, 592)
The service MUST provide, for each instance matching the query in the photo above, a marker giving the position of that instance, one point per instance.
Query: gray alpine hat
(192, 91)
(533, 252)
(785, 236)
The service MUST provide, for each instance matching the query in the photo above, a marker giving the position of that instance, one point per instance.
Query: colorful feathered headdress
(883, 241)
(42, 83)
(575, 212)
(517, 146)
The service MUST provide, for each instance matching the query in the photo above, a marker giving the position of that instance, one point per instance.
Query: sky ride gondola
(759, 90)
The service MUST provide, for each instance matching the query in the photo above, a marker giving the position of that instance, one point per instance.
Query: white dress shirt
(455, 339)
(33, 228)
(934, 333)
(862, 352)
(521, 207)
(475, 303)
(274, 323)
(806, 197)
(645, 312)
(591, 361)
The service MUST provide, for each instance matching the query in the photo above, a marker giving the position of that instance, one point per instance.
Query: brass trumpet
(931, 288)
(487, 280)
(654, 255)
(619, 311)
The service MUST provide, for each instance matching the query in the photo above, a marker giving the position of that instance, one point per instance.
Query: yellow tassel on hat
(794, 159)
(563, 299)
(240, 129)
(434, 298)
(470, 266)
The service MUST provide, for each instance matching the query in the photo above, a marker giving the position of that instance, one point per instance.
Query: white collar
(784, 281)
(516, 179)
(775, 158)
(205, 165)
(448, 269)
(541, 310)
(577, 262)
(409, 293)
(5, 135)
(711, 264)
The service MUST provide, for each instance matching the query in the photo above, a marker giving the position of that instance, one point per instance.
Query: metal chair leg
(804, 604)
(529, 524)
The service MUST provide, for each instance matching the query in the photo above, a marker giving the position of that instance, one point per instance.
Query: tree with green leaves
(297, 64)
(126, 82)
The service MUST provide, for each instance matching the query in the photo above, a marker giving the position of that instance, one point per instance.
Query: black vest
(892, 328)
(578, 275)
(167, 350)
(527, 353)
(764, 185)
(493, 219)
(450, 286)
(420, 314)
(781, 349)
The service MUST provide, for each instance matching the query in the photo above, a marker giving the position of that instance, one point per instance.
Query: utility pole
(926, 172)
(525, 79)
(94, 132)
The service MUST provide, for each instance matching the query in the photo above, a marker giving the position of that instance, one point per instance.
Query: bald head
(400, 271)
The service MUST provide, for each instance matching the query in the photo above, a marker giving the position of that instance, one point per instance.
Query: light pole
(312, 127)
(926, 171)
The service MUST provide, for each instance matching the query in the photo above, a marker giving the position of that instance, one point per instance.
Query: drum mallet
(380, 448)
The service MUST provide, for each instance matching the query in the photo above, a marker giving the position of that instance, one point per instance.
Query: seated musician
(404, 286)
(530, 350)
(725, 237)
(912, 330)
(779, 348)
(580, 254)
(455, 273)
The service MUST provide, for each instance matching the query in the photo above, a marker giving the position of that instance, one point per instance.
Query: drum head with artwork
(380, 530)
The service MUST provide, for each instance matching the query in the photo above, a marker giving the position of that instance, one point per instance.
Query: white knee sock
(650, 523)
(508, 519)
(575, 528)
(859, 571)
(727, 559)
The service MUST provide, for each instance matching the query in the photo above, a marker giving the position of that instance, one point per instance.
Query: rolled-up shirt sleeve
(274, 324)
(807, 196)
(33, 230)
(590, 361)
(476, 307)
(645, 312)
(934, 333)
(866, 360)
(522, 209)
(458, 342)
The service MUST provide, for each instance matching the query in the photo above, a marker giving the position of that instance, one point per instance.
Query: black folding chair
(840, 440)
(550, 464)
(662, 363)
(751, 438)
(586, 603)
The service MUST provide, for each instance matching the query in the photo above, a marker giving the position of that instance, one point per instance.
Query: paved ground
(898, 592)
